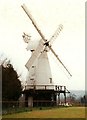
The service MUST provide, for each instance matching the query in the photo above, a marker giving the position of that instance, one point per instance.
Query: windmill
(40, 76)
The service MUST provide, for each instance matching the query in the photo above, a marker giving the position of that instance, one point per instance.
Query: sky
(69, 45)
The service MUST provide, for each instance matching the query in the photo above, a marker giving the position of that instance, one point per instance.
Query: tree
(11, 85)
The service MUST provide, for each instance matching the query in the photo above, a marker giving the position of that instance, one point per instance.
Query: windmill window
(32, 66)
(50, 80)
(32, 79)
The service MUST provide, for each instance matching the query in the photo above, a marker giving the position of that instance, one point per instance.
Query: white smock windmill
(38, 64)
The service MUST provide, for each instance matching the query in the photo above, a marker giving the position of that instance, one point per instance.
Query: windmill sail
(33, 21)
(42, 46)
(59, 60)
(57, 32)
(35, 54)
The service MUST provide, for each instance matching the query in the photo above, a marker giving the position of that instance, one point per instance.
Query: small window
(32, 66)
(50, 80)
(32, 79)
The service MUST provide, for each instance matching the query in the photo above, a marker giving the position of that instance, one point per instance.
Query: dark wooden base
(44, 97)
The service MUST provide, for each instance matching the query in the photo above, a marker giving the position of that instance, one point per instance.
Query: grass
(69, 112)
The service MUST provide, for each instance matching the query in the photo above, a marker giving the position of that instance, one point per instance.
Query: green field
(67, 112)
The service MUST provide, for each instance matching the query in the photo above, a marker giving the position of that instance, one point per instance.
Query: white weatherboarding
(38, 64)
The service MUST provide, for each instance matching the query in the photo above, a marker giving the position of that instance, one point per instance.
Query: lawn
(67, 112)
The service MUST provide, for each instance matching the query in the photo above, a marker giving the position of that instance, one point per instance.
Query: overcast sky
(69, 45)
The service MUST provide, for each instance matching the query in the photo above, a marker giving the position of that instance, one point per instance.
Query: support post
(65, 94)
(22, 101)
(58, 98)
(65, 97)
(30, 101)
